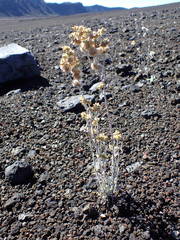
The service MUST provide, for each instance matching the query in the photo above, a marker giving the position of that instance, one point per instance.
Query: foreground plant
(105, 144)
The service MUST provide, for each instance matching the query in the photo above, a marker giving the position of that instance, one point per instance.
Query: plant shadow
(143, 215)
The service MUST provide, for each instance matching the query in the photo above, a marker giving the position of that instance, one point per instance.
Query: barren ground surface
(61, 201)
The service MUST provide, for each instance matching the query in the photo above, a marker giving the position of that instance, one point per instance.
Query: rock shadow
(23, 85)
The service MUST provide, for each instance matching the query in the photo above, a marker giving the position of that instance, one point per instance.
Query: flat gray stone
(17, 197)
(95, 87)
(134, 166)
(16, 62)
(147, 114)
(131, 87)
(19, 172)
(72, 104)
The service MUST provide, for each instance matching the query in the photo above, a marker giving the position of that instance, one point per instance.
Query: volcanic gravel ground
(143, 71)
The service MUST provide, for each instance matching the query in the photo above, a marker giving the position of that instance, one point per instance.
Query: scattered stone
(31, 153)
(147, 114)
(131, 87)
(176, 234)
(56, 67)
(39, 192)
(86, 85)
(125, 30)
(178, 85)
(138, 77)
(167, 73)
(146, 235)
(16, 151)
(132, 236)
(72, 104)
(124, 104)
(16, 62)
(139, 84)
(98, 229)
(175, 100)
(19, 172)
(134, 166)
(13, 200)
(23, 217)
(31, 202)
(15, 229)
(134, 88)
(113, 30)
(131, 39)
(44, 177)
(106, 94)
(95, 87)
(152, 79)
(51, 203)
(91, 184)
(103, 216)
(122, 228)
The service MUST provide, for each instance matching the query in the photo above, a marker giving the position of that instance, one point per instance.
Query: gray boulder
(19, 172)
(16, 62)
(72, 104)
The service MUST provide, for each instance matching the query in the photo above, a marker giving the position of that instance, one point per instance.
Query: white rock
(16, 62)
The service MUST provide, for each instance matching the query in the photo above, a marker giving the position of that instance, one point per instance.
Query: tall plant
(105, 143)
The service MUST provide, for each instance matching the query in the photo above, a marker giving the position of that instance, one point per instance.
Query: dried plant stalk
(105, 145)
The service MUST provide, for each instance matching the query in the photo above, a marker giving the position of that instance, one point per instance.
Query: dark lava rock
(113, 30)
(90, 212)
(124, 70)
(175, 100)
(19, 172)
(108, 61)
